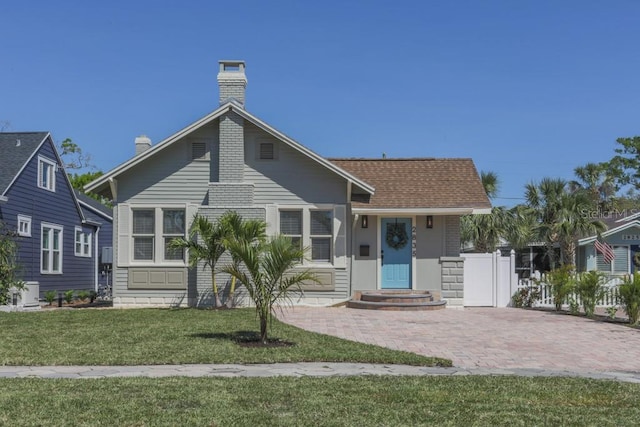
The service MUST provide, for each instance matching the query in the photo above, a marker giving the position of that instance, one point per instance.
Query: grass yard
(350, 401)
(172, 336)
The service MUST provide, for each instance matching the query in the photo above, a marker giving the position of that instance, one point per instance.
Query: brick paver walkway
(485, 337)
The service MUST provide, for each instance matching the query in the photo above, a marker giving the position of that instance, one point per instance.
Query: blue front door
(396, 253)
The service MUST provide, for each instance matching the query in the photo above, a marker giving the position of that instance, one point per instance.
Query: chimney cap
(231, 66)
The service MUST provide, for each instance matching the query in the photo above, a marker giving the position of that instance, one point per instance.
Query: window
(619, 265)
(82, 243)
(24, 226)
(143, 234)
(291, 226)
(172, 228)
(321, 235)
(152, 233)
(46, 174)
(51, 249)
(312, 228)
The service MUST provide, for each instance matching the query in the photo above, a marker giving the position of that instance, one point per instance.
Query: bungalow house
(369, 223)
(55, 239)
(623, 240)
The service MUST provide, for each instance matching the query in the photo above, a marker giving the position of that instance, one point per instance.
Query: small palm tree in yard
(630, 297)
(239, 230)
(268, 271)
(562, 282)
(590, 288)
(205, 243)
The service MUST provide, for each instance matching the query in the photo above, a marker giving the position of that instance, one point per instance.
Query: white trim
(52, 227)
(27, 220)
(607, 233)
(83, 244)
(4, 199)
(51, 177)
(207, 119)
(158, 235)
(94, 210)
(407, 212)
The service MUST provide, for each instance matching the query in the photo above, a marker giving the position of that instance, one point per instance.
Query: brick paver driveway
(484, 337)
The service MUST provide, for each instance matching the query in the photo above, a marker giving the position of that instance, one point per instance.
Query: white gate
(489, 279)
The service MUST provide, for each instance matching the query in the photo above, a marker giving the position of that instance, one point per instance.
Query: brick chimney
(143, 143)
(232, 81)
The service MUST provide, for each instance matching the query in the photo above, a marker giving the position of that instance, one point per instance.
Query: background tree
(8, 263)
(73, 157)
(268, 271)
(625, 165)
(595, 180)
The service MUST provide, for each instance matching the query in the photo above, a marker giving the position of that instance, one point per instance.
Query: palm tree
(560, 216)
(485, 231)
(206, 243)
(595, 180)
(239, 230)
(268, 271)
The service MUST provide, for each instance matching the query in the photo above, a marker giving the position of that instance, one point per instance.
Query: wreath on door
(397, 237)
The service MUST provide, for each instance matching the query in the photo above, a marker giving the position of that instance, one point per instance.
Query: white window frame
(321, 236)
(158, 256)
(82, 243)
(306, 231)
(49, 167)
(24, 225)
(52, 228)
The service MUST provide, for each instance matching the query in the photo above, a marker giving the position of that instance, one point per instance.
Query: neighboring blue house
(623, 236)
(56, 242)
(98, 213)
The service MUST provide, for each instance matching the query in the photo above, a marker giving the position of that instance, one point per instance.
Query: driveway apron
(484, 337)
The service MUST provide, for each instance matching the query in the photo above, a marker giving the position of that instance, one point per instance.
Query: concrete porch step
(396, 300)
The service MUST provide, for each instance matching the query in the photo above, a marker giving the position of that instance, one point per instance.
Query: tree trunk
(263, 330)
(230, 301)
(218, 303)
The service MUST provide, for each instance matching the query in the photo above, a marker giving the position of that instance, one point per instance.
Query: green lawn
(350, 401)
(166, 336)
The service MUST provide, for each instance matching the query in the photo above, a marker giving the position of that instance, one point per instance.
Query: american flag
(605, 250)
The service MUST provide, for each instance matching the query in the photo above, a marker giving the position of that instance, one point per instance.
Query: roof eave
(591, 239)
(417, 211)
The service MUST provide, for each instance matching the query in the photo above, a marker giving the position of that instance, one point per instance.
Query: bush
(9, 267)
(590, 288)
(68, 296)
(630, 297)
(83, 295)
(525, 297)
(562, 281)
(50, 297)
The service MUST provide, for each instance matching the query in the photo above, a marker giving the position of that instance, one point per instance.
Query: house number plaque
(413, 241)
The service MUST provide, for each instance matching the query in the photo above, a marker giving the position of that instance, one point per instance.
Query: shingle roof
(94, 204)
(15, 149)
(419, 183)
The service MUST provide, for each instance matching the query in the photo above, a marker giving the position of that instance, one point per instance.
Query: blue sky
(527, 89)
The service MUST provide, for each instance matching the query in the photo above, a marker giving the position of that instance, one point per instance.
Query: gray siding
(365, 268)
(428, 252)
(452, 236)
(290, 178)
(171, 176)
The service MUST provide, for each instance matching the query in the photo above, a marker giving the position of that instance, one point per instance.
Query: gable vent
(266, 151)
(198, 150)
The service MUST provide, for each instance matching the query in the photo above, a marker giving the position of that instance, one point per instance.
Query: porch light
(365, 221)
(429, 221)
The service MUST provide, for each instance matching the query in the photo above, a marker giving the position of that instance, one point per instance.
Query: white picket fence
(610, 298)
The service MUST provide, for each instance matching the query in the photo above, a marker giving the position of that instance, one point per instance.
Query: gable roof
(93, 205)
(103, 181)
(16, 149)
(421, 185)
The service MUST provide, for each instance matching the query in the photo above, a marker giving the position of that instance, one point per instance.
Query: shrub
(9, 267)
(525, 297)
(50, 297)
(68, 296)
(630, 297)
(83, 295)
(611, 312)
(562, 282)
(590, 288)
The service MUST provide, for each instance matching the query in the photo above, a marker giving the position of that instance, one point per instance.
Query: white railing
(610, 298)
